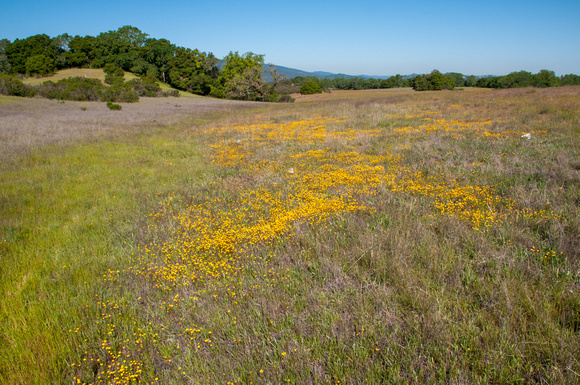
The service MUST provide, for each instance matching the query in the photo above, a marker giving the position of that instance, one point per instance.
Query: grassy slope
(94, 73)
(411, 288)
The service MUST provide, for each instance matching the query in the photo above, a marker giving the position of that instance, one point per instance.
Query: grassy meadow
(384, 236)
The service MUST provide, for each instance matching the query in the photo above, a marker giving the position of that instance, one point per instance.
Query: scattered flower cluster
(301, 172)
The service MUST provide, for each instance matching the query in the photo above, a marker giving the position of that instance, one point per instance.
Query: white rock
(527, 136)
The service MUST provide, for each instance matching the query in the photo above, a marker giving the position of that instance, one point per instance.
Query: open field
(352, 237)
(38, 122)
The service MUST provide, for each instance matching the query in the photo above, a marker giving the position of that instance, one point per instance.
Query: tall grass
(357, 237)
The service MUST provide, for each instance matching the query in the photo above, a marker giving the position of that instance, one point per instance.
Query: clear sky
(367, 37)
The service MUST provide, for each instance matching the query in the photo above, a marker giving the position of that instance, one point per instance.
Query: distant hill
(293, 72)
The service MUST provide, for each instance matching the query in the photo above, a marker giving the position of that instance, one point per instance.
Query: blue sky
(353, 37)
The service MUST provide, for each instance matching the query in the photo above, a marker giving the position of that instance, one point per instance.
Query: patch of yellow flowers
(299, 175)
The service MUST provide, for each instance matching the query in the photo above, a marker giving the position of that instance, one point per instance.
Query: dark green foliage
(4, 64)
(470, 81)
(394, 82)
(78, 59)
(191, 70)
(120, 93)
(114, 107)
(440, 81)
(59, 45)
(86, 89)
(546, 78)
(158, 55)
(9, 85)
(78, 88)
(285, 98)
(40, 65)
(310, 87)
(114, 79)
(293, 85)
(114, 76)
(111, 69)
(199, 84)
(81, 51)
(420, 83)
(485, 82)
(217, 92)
(435, 81)
(145, 86)
(458, 78)
(569, 80)
(19, 51)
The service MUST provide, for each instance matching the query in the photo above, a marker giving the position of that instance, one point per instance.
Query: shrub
(310, 87)
(173, 93)
(285, 98)
(77, 88)
(434, 81)
(120, 93)
(217, 92)
(129, 96)
(145, 86)
(273, 96)
(113, 79)
(39, 65)
(113, 106)
(111, 69)
(9, 85)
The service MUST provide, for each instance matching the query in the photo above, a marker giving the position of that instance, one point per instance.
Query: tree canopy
(433, 81)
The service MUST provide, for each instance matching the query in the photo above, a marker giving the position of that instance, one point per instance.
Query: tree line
(428, 82)
(237, 76)
(545, 78)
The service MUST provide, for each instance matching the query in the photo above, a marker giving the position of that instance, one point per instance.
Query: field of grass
(355, 237)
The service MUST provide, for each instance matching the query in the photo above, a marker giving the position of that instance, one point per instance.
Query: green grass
(100, 239)
(68, 218)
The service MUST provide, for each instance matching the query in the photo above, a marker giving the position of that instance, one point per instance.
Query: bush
(120, 93)
(113, 106)
(128, 96)
(111, 69)
(272, 97)
(275, 97)
(217, 92)
(285, 98)
(11, 86)
(310, 87)
(145, 86)
(39, 65)
(78, 88)
(114, 79)
(434, 81)
(173, 93)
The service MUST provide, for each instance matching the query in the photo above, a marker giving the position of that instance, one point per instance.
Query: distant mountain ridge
(293, 72)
